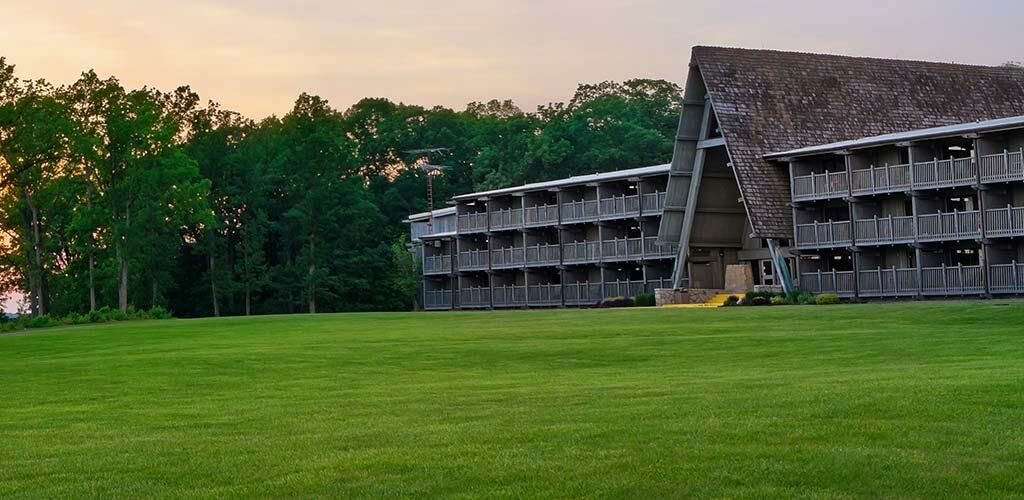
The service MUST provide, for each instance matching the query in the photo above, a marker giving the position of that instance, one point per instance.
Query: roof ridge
(696, 48)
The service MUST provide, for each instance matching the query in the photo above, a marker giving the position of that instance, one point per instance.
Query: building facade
(569, 242)
(929, 212)
(862, 176)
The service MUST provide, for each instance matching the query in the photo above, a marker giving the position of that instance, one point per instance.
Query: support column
(691, 198)
(916, 208)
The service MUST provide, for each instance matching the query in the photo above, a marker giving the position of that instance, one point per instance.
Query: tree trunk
(248, 282)
(92, 283)
(312, 277)
(152, 302)
(213, 284)
(122, 261)
(92, 259)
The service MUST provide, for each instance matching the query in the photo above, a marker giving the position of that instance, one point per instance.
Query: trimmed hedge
(101, 315)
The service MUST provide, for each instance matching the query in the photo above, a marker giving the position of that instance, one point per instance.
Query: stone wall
(667, 296)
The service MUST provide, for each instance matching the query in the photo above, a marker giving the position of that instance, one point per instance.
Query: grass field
(882, 400)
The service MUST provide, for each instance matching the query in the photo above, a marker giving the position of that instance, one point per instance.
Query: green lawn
(882, 400)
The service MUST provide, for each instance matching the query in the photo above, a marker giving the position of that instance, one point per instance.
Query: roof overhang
(965, 130)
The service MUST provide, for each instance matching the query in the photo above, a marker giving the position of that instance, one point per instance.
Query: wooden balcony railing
(652, 203)
(1003, 222)
(544, 295)
(437, 264)
(543, 255)
(952, 280)
(475, 297)
(949, 226)
(819, 186)
(1003, 167)
(437, 299)
(473, 260)
(509, 296)
(473, 223)
(506, 218)
(616, 249)
(580, 211)
(884, 179)
(581, 251)
(945, 173)
(620, 206)
(654, 249)
(508, 257)
(837, 282)
(1006, 278)
(884, 230)
(892, 282)
(823, 234)
(541, 215)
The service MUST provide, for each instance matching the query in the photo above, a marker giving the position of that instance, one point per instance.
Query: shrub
(826, 298)
(644, 300)
(778, 300)
(732, 300)
(759, 301)
(805, 298)
(161, 313)
(41, 322)
(615, 302)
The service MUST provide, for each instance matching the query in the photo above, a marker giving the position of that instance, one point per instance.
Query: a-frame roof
(768, 101)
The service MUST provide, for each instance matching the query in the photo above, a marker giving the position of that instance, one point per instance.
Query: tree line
(139, 198)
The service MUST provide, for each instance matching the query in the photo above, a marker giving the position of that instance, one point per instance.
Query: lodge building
(860, 176)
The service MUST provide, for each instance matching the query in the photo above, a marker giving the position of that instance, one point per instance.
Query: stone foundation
(668, 296)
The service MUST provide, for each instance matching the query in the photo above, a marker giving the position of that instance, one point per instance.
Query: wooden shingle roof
(768, 101)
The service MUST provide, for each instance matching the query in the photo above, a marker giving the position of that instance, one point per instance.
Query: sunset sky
(257, 56)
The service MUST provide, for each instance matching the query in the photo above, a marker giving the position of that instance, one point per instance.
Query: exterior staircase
(716, 301)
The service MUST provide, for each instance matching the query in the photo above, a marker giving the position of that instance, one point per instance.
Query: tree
(35, 127)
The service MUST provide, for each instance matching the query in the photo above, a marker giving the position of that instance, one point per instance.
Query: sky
(256, 56)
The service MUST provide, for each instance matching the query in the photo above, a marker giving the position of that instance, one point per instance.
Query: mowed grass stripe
(908, 399)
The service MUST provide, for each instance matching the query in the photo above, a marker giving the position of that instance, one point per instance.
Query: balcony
(508, 218)
(1006, 278)
(581, 251)
(437, 299)
(938, 173)
(652, 203)
(955, 225)
(952, 280)
(473, 223)
(541, 215)
(473, 260)
(475, 297)
(1004, 222)
(437, 264)
(880, 180)
(509, 296)
(624, 288)
(823, 234)
(580, 211)
(653, 249)
(903, 282)
(613, 250)
(1003, 167)
(544, 295)
(841, 283)
(892, 282)
(884, 230)
(508, 257)
(820, 186)
(582, 293)
(620, 206)
(620, 249)
(543, 255)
